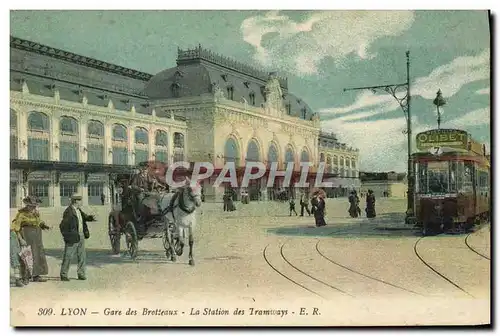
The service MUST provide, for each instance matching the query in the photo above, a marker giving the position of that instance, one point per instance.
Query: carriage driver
(143, 187)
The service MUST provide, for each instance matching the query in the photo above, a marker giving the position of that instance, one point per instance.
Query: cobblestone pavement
(358, 271)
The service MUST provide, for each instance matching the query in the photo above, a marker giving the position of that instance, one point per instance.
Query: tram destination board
(443, 138)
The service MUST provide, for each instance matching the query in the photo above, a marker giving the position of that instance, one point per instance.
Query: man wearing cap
(74, 230)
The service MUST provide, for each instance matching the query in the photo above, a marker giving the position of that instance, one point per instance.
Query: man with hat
(74, 230)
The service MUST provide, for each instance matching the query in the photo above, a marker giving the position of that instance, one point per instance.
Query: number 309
(45, 311)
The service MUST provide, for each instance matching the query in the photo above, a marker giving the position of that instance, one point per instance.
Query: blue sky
(321, 52)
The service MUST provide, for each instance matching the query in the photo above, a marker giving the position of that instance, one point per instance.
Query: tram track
(363, 274)
(441, 275)
(300, 284)
(473, 249)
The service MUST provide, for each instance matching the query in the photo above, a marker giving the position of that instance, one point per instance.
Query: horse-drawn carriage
(153, 213)
(126, 219)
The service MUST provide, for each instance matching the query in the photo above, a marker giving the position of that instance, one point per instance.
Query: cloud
(299, 47)
(450, 78)
(477, 117)
(485, 91)
(382, 143)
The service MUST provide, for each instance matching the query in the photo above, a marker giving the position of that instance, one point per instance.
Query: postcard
(250, 168)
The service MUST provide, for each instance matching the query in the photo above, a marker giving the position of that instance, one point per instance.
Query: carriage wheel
(131, 239)
(114, 235)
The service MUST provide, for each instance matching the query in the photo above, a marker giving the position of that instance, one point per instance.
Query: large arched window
(161, 146)
(231, 151)
(141, 145)
(68, 139)
(38, 121)
(335, 160)
(95, 142)
(342, 163)
(38, 136)
(272, 155)
(178, 147)
(304, 156)
(120, 145)
(253, 151)
(329, 164)
(13, 135)
(353, 163)
(289, 156)
(119, 133)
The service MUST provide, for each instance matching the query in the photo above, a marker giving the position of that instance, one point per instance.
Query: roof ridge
(42, 49)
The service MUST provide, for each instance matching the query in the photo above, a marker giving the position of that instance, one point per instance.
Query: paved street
(357, 271)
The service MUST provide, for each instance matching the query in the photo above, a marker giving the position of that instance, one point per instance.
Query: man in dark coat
(74, 230)
(304, 204)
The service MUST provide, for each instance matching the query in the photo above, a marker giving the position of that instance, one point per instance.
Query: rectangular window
(13, 147)
(161, 156)
(66, 190)
(94, 191)
(38, 149)
(95, 153)
(40, 189)
(178, 157)
(141, 156)
(120, 156)
(13, 194)
(68, 151)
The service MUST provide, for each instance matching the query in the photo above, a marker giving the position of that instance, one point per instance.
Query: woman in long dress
(319, 208)
(30, 227)
(370, 205)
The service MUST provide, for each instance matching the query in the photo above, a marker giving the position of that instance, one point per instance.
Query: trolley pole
(404, 100)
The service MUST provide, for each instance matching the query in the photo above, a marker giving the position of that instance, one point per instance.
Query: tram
(452, 181)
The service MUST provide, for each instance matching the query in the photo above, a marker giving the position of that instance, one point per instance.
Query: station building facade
(76, 121)
(342, 161)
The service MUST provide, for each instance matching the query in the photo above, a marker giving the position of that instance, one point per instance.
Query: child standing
(292, 206)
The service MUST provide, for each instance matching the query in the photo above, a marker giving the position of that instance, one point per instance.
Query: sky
(321, 53)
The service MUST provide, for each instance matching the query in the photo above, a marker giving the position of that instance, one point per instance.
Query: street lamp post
(404, 103)
(439, 101)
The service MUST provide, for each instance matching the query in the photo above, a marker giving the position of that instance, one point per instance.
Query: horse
(180, 209)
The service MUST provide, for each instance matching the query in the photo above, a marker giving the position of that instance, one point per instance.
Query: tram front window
(436, 177)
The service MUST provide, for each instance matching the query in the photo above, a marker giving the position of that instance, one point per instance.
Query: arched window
(342, 161)
(120, 145)
(289, 155)
(119, 133)
(161, 143)
(272, 155)
(38, 121)
(353, 164)
(13, 119)
(95, 128)
(13, 135)
(141, 136)
(161, 138)
(304, 156)
(232, 152)
(178, 147)
(178, 140)
(38, 136)
(253, 151)
(95, 145)
(68, 139)
(322, 157)
(329, 164)
(68, 125)
(335, 160)
(141, 145)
